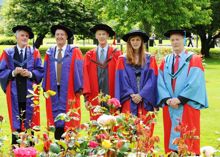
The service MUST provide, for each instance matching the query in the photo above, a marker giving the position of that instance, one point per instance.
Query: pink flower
(114, 102)
(101, 136)
(25, 152)
(93, 144)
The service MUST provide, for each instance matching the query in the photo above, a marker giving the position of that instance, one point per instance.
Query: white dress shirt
(105, 50)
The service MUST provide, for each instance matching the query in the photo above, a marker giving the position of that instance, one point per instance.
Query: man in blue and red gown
(99, 68)
(20, 68)
(182, 92)
(63, 67)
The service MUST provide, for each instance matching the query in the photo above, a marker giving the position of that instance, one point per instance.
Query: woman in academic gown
(136, 78)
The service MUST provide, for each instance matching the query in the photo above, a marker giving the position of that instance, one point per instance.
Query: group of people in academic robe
(178, 86)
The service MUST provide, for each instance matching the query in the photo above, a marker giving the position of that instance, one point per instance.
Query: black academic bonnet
(103, 27)
(140, 33)
(183, 32)
(62, 27)
(24, 28)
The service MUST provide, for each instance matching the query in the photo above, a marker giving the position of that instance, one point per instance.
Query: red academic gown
(91, 86)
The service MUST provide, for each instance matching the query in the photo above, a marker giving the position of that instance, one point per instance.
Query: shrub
(43, 50)
(7, 41)
(84, 49)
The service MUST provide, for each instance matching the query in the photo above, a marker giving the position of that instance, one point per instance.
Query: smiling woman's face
(136, 42)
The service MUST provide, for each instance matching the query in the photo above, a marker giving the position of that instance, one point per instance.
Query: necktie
(59, 65)
(176, 65)
(21, 55)
(102, 56)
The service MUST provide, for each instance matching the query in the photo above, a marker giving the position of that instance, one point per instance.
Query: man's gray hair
(16, 33)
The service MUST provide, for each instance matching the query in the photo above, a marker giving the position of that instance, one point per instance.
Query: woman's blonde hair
(130, 53)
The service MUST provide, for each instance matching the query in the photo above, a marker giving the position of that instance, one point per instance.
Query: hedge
(8, 41)
(84, 49)
(11, 41)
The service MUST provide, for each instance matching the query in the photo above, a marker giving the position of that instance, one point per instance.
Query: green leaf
(101, 152)
(63, 144)
(39, 147)
(54, 148)
(29, 96)
(61, 116)
(52, 128)
(46, 95)
(125, 147)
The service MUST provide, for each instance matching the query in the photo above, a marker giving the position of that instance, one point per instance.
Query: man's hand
(18, 70)
(174, 103)
(26, 73)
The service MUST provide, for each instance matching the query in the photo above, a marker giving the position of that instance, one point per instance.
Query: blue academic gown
(126, 84)
(190, 84)
(7, 65)
(71, 85)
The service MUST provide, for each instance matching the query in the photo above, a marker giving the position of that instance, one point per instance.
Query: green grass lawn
(209, 117)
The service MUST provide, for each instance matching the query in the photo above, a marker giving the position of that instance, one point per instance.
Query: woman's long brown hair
(130, 53)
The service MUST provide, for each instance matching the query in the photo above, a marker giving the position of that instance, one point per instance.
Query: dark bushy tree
(42, 14)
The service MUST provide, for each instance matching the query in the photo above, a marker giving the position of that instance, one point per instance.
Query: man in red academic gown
(63, 66)
(99, 67)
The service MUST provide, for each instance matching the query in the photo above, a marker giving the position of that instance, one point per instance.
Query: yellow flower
(106, 144)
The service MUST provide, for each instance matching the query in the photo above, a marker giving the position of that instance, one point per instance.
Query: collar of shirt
(105, 50)
(63, 51)
(19, 49)
(180, 55)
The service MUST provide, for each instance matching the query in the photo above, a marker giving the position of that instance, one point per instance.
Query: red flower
(114, 102)
(178, 128)
(47, 146)
(45, 136)
(93, 144)
(156, 139)
(137, 121)
(119, 144)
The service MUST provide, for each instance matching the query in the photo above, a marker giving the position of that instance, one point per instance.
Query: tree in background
(162, 15)
(208, 33)
(40, 15)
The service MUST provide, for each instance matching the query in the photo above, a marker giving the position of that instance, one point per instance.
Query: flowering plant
(113, 134)
(107, 105)
(2, 138)
(183, 148)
